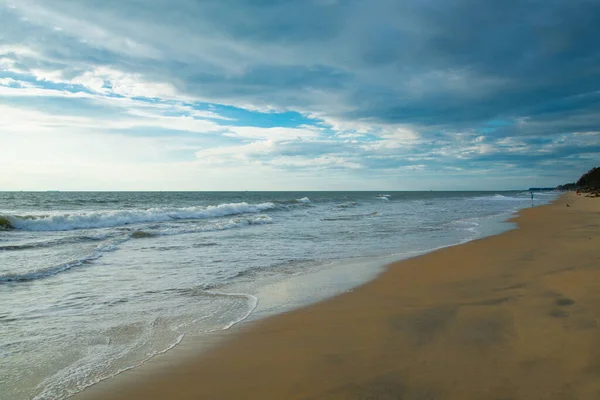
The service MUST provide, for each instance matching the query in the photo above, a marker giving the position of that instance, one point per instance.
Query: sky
(298, 95)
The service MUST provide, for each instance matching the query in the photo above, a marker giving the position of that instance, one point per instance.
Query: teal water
(92, 284)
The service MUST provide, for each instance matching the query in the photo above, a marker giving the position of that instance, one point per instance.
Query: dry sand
(514, 316)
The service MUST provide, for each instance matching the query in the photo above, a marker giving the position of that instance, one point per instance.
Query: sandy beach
(513, 316)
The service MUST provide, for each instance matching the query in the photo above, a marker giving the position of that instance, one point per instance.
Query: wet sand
(513, 316)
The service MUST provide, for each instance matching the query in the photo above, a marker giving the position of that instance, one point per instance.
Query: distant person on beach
(531, 196)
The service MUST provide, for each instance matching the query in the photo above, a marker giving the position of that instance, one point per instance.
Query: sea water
(92, 284)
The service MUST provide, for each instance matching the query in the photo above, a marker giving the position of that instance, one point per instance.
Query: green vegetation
(588, 183)
(141, 235)
(5, 224)
(567, 186)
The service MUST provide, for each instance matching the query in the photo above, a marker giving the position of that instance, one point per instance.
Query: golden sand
(513, 316)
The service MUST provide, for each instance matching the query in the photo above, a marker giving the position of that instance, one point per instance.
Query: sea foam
(500, 197)
(106, 219)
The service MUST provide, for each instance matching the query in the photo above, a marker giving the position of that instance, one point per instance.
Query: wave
(500, 197)
(48, 391)
(142, 234)
(113, 245)
(253, 303)
(284, 267)
(352, 217)
(46, 272)
(106, 219)
(348, 204)
(208, 244)
(220, 226)
(51, 243)
(550, 194)
(58, 385)
(240, 222)
(468, 225)
(304, 201)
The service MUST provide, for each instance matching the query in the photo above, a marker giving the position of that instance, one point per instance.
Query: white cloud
(39, 150)
(274, 134)
(108, 80)
(28, 90)
(273, 154)
(323, 162)
(7, 82)
(19, 50)
(24, 120)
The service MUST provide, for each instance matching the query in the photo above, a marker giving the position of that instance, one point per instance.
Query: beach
(512, 316)
(97, 283)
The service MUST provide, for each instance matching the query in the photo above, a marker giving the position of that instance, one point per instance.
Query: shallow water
(92, 284)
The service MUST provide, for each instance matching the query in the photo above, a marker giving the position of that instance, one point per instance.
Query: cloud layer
(298, 95)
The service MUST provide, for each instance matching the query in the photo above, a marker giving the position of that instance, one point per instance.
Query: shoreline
(341, 347)
(354, 272)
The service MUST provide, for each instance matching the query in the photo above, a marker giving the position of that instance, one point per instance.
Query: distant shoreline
(275, 191)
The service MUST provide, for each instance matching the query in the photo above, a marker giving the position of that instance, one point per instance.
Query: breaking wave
(351, 217)
(106, 219)
(291, 203)
(348, 204)
(51, 243)
(500, 197)
(113, 244)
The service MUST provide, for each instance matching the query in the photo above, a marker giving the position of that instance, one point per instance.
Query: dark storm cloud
(430, 63)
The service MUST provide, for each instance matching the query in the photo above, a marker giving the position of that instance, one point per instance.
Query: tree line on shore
(588, 183)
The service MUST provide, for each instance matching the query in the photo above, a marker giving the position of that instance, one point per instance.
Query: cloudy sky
(284, 95)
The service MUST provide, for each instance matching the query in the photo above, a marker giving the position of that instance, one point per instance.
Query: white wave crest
(110, 245)
(499, 197)
(113, 244)
(233, 223)
(304, 200)
(107, 219)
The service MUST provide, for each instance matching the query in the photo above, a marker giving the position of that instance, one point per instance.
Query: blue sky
(305, 95)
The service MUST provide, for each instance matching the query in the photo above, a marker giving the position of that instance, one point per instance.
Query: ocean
(93, 284)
